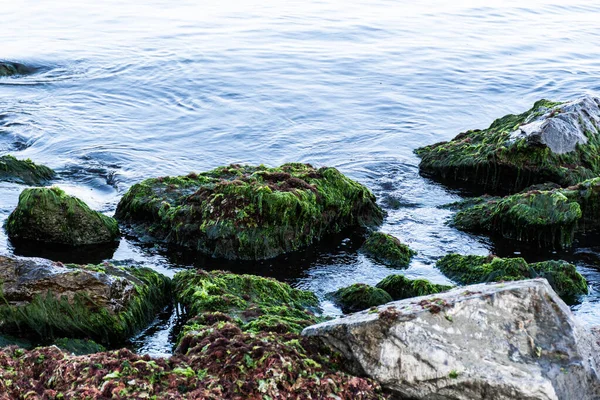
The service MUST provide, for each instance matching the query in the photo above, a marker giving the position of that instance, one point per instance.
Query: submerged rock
(546, 218)
(49, 215)
(556, 142)
(8, 68)
(399, 287)
(505, 341)
(245, 212)
(388, 250)
(24, 171)
(564, 278)
(78, 347)
(102, 302)
(359, 297)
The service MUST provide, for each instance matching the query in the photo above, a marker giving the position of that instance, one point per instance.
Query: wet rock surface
(24, 171)
(246, 212)
(388, 250)
(49, 215)
(8, 68)
(359, 296)
(556, 142)
(43, 300)
(488, 341)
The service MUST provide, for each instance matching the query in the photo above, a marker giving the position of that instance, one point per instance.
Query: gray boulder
(514, 340)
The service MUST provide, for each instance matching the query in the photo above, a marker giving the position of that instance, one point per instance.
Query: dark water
(129, 90)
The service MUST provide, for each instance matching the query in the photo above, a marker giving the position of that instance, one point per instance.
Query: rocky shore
(251, 337)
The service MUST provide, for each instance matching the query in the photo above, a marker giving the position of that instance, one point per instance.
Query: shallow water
(129, 90)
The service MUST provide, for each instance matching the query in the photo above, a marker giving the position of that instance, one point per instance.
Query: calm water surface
(130, 90)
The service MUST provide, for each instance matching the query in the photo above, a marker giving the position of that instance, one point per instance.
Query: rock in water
(103, 302)
(8, 68)
(400, 287)
(49, 215)
(24, 171)
(249, 213)
(359, 296)
(504, 341)
(556, 142)
(388, 250)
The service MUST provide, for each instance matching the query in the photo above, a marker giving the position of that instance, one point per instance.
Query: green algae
(50, 215)
(490, 159)
(562, 276)
(50, 315)
(548, 218)
(24, 171)
(252, 302)
(399, 287)
(78, 347)
(247, 212)
(359, 297)
(13, 68)
(388, 250)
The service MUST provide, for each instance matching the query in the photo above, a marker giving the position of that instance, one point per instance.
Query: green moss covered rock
(551, 142)
(562, 276)
(245, 212)
(399, 287)
(8, 68)
(49, 215)
(543, 217)
(359, 296)
(24, 171)
(388, 250)
(254, 303)
(104, 302)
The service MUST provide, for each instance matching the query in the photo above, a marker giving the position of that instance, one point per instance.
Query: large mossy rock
(399, 287)
(24, 171)
(388, 250)
(359, 296)
(555, 142)
(102, 302)
(564, 278)
(49, 215)
(245, 212)
(548, 218)
(8, 68)
(513, 340)
(253, 302)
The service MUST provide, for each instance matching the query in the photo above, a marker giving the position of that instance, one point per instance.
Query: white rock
(562, 127)
(515, 340)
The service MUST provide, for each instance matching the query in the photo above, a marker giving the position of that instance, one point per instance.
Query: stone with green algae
(24, 171)
(388, 250)
(551, 142)
(107, 303)
(471, 269)
(359, 296)
(248, 212)
(399, 287)
(49, 215)
(8, 68)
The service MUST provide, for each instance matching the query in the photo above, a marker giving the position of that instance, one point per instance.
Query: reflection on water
(131, 90)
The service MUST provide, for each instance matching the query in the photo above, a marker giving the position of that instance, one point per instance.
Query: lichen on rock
(106, 303)
(246, 212)
(49, 215)
(359, 296)
(556, 142)
(24, 171)
(399, 287)
(470, 269)
(388, 250)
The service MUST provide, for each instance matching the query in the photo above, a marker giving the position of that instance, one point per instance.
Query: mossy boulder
(106, 303)
(247, 212)
(252, 302)
(551, 142)
(562, 276)
(388, 250)
(49, 215)
(543, 217)
(24, 171)
(399, 287)
(8, 68)
(359, 296)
